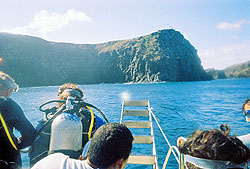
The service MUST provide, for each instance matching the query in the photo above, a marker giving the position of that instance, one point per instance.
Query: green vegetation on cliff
(235, 71)
(238, 71)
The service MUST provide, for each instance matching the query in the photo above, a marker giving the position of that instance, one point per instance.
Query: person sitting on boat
(110, 148)
(246, 112)
(12, 116)
(41, 145)
(214, 149)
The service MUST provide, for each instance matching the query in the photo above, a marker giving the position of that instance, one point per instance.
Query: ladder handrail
(122, 112)
(163, 134)
(152, 134)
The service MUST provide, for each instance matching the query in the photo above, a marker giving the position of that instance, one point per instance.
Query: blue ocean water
(181, 107)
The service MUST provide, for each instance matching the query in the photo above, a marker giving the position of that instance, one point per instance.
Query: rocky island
(161, 56)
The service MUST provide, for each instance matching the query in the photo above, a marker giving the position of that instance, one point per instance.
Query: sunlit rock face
(235, 71)
(161, 56)
(238, 71)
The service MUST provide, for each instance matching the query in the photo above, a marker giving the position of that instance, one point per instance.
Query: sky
(218, 29)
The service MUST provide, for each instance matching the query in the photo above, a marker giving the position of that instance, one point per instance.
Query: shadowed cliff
(161, 56)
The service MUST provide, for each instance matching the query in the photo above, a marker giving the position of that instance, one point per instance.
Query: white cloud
(224, 56)
(231, 26)
(235, 37)
(45, 22)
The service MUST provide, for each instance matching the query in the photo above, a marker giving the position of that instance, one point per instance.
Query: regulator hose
(51, 119)
(81, 103)
(59, 111)
(52, 101)
(85, 104)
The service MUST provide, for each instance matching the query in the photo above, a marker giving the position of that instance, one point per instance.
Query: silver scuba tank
(66, 131)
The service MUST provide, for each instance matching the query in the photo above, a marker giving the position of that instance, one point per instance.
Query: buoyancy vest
(40, 147)
(5, 131)
(8, 142)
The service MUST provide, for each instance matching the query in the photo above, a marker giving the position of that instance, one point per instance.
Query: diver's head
(69, 89)
(246, 109)
(7, 85)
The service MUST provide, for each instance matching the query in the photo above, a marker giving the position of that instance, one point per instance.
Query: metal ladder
(137, 109)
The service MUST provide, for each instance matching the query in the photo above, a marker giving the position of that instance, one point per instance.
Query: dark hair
(215, 145)
(110, 143)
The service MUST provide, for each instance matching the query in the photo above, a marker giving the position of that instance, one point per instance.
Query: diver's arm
(21, 123)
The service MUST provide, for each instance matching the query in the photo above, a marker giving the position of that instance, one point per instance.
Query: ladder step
(137, 124)
(143, 140)
(142, 159)
(135, 113)
(142, 103)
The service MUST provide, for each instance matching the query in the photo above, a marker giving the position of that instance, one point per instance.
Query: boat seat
(245, 139)
(206, 163)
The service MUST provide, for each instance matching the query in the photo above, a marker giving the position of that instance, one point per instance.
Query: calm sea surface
(181, 107)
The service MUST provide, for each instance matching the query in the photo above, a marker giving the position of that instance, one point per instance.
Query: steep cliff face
(162, 56)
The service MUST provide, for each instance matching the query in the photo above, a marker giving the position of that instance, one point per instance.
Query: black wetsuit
(14, 118)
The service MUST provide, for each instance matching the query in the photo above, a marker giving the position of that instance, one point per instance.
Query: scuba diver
(110, 148)
(12, 116)
(71, 108)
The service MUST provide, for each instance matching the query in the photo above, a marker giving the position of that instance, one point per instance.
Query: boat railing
(172, 149)
(130, 108)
